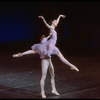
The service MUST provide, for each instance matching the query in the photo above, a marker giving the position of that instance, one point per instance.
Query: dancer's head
(43, 36)
(54, 22)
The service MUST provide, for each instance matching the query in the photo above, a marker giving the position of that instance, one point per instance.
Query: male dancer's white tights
(47, 63)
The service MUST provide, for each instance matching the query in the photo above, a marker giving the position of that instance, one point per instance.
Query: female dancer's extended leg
(66, 61)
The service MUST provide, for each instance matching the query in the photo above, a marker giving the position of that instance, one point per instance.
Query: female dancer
(51, 48)
(52, 26)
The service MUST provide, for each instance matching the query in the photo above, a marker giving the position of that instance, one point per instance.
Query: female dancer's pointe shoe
(17, 55)
(43, 95)
(55, 92)
(75, 68)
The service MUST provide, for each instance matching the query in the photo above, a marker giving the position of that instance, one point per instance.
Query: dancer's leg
(66, 62)
(51, 70)
(28, 52)
(24, 53)
(44, 64)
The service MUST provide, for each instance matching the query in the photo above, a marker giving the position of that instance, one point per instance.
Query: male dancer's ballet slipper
(17, 55)
(55, 92)
(43, 95)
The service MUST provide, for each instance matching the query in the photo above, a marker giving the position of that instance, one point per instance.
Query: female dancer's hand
(63, 16)
(40, 17)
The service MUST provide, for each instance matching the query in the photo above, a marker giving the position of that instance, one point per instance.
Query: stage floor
(20, 77)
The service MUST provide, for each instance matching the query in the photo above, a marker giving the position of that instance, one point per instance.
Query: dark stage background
(20, 26)
(78, 40)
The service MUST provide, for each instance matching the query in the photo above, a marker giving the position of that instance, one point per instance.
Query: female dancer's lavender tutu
(40, 48)
(47, 47)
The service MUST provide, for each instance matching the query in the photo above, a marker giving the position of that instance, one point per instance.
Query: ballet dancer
(51, 48)
(45, 63)
(52, 26)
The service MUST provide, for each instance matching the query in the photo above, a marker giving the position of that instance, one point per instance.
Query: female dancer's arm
(49, 35)
(45, 22)
(63, 16)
